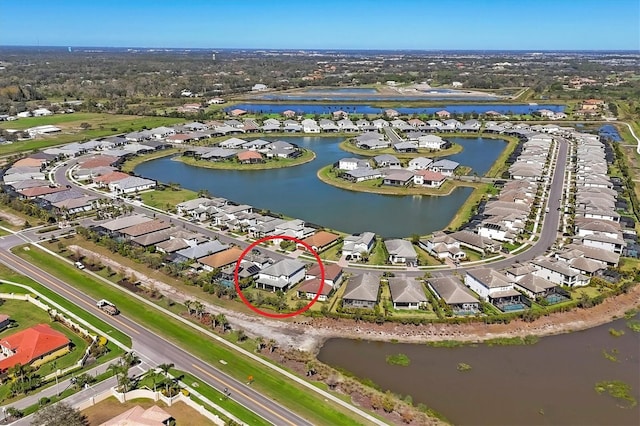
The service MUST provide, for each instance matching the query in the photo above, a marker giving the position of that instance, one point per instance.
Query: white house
(431, 142)
(259, 87)
(41, 112)
(559, 272)
(352, 164)
(354, 245)
(442, 246)
(281, 275)
(131, 184)
(419, 163)
(488, 283)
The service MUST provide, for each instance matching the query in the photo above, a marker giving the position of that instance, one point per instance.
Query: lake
(507, 109)
(297, 192)
(548, 383)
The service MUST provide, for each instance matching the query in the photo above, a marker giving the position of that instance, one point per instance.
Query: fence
(148, 394)
(61, 318)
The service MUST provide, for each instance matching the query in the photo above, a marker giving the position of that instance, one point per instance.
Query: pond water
(551, 382)
(610, 132)
(506, 109)
(297, 192)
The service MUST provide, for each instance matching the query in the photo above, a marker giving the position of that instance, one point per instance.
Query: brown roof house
(407, 293)
(320, 241)
(311, 286)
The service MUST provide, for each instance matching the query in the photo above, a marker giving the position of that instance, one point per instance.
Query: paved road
(154, 349)
(392, 135)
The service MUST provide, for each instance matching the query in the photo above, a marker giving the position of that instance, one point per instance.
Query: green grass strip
(270, 383)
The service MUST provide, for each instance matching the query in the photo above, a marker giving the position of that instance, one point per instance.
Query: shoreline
(577, 319)
(347, 146)
(451, 185)
(306, 157)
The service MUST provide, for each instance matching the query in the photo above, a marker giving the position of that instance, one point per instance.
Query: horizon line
(326, 48)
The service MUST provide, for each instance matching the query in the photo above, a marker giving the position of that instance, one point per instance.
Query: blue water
(346, 90)
(609, 131)
(506, 109)
(319, 96)
(297, 192)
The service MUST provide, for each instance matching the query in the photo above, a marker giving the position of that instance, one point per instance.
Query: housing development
(241, 236)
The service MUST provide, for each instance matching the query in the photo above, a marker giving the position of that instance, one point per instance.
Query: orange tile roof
(223, 258)
(430, 175)
(28, 162)
(312, 286)
(331, 271)
(321, 239)
(249, 155)
(98, 161)
(111, 177)
(40, 190)
(31, 344)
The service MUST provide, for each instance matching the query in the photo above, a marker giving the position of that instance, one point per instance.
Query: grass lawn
(101, 125)
(167, 197)
(132, 163)
(10, 275)
(278, 163)
(332, 253)
(111, 407)
(218, 398)
(588, 290)
(425, 258)
(465, 212)
(290, 394)
(378, 255)
(628, 264)
(328, 176)
(100, 251)
(23, 313)
(472, 255)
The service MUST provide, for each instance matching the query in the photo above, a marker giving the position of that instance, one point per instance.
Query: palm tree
(155, 378)
(187, 304)
(222, 321)
(259, 344)
(198, 308)
(165, 369)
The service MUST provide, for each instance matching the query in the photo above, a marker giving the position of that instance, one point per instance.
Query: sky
(327, 24)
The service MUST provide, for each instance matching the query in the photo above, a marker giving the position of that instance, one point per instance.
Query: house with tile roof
(362, 291)
(407, 293)
(320, 241)
(33, 346)
(458, 297)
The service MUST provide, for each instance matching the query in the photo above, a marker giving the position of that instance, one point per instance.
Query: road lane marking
(227, 385)
(44, 278)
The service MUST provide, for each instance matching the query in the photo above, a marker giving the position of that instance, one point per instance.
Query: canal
(297, 192)
(551, 382)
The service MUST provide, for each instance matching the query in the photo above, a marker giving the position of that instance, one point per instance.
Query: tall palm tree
(165, 369)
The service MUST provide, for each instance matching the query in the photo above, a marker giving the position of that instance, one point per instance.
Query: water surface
(549, 383)
(297, 192)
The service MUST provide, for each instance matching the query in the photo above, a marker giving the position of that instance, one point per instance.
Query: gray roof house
(281, 275)
(387, 160)
(407, 293)
(199, 251)
(454, 294)
(401, 251)
(362, 291)
(355, 244)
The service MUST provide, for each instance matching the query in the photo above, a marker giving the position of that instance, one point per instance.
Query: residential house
(387, 160)
(476, 242)
(419, 163)
(355, 245)
(220, 259)
(428, 178)
(559, 272)
(320, 241)
(494, 287)
(446, 167)
(362, 291)
(442, 246)
(454, 294)
(309, 288)
(407, 293)
(401, 251)
(33, 346)
(398, 178)
(131, 184)
(281, 275)
(352, 164)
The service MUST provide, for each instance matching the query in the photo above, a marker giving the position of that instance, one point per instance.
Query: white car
(79, 265)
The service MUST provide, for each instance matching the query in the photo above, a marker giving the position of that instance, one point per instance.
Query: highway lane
(157, 350)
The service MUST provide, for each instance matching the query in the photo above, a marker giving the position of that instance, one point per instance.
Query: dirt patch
(11, 218)
(110, 407)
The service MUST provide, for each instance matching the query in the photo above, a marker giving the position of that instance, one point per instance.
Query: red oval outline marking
(269, 314)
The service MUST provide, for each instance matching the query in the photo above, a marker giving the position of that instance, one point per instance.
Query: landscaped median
(328, 176)
(275, 163)
(295, 396)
